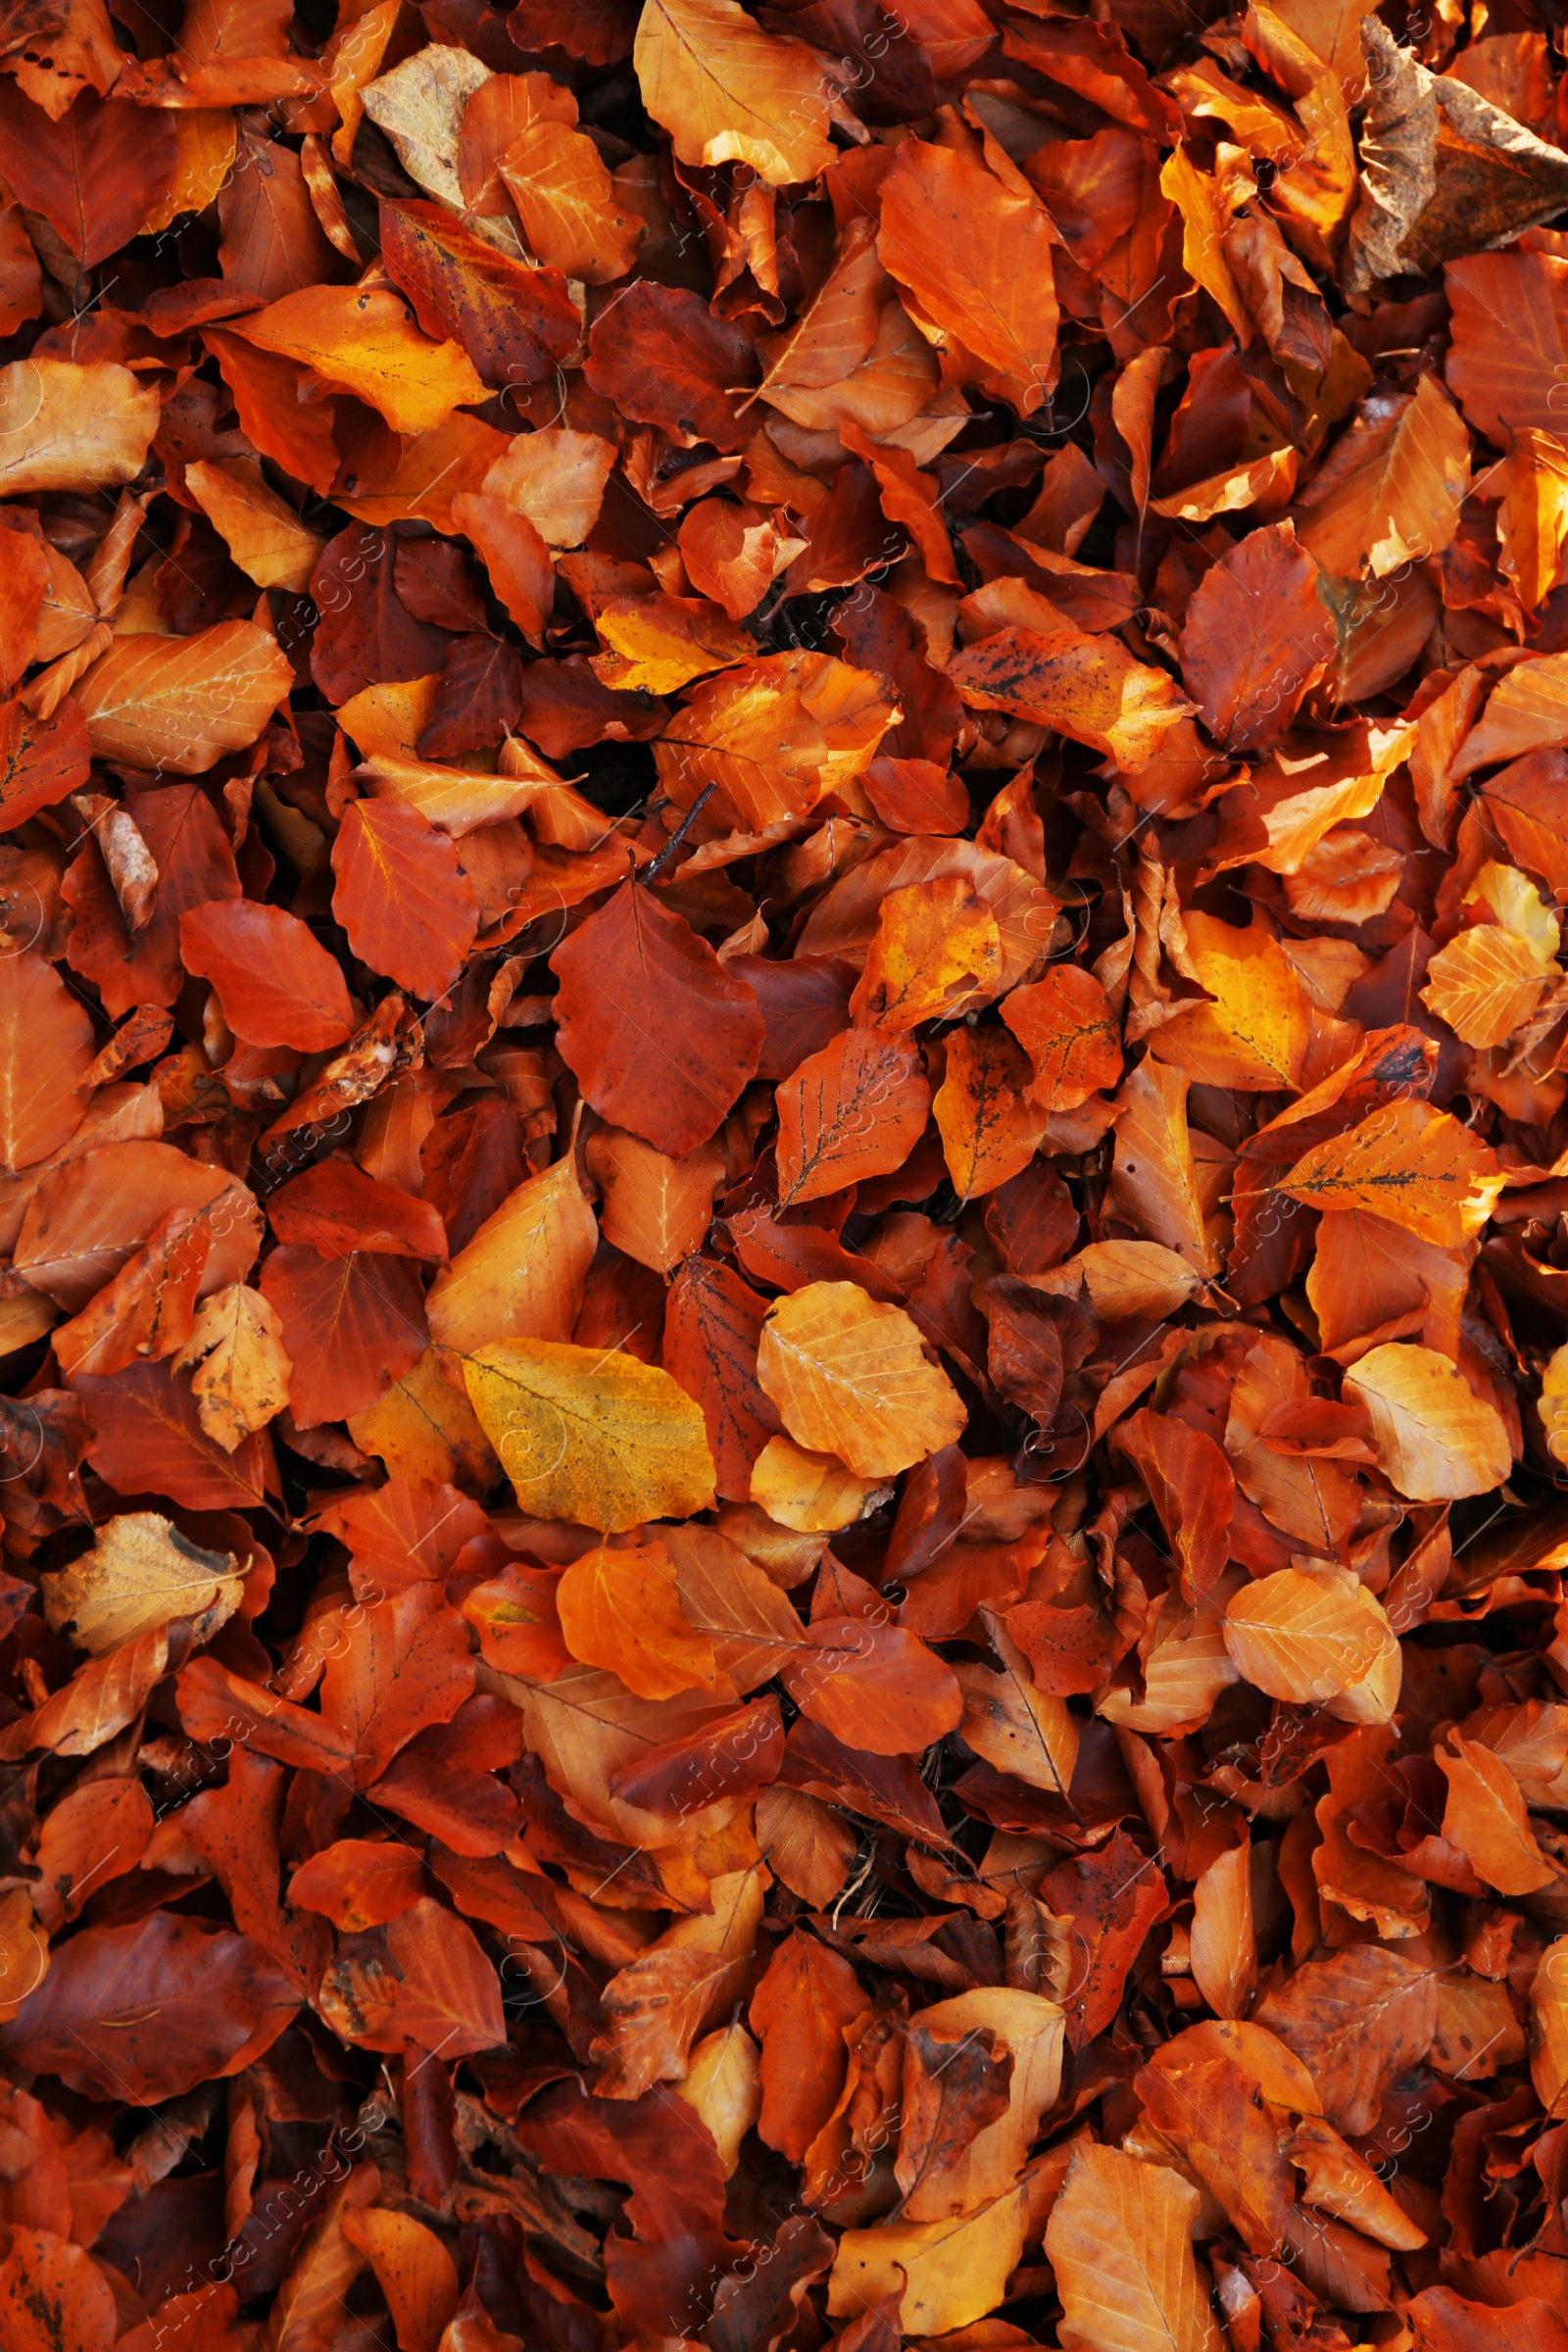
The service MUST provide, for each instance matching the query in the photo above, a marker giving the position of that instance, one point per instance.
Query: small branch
(656, 865)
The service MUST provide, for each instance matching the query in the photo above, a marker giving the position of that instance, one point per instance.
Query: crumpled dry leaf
(141, 1573)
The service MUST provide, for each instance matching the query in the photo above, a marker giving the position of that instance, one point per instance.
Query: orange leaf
(857, 1109)
(1065, 1025)
(620, 1611)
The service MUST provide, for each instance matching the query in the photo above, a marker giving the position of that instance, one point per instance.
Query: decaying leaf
(141, 1574)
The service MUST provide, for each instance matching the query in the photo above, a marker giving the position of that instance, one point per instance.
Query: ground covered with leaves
(784, 1176)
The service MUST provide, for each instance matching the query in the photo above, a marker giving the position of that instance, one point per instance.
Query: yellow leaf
(367, 339)
(1255, 1035)
(433, 470)
(1088, 687)
(1485, 984)
(141, 1574)
(655, 1208)
(811, 1493)
(423, 1427)
(1520, 909)
(1526, 711)
(1207, 206)
(1222, 1946)
(1154, 1178)
(660, 643)
(242, 1380)
(1129, 1281)
(951, 2273)
(620, 1611)
(1533, 520)
(556, 478)
(1415, 1166)
(521, 1276)
(567, 202)
(1436, 1439)
(1308, 786)
(728, 92)
(69, 427)
(389, 720)
(686, 1979)
(1027, 1733)
(208, 140)
(1029, 2026)
(723, 2085)
(599, 1440)
(1303, 1637)
(457, 800)
(849, 1378)
(1484, 1817)
(775, 735)
(1119, 2240)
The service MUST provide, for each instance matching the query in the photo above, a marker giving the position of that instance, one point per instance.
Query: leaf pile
(784, 1166)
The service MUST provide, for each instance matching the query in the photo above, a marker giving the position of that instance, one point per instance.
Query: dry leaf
(849, 1378)
(141, 1573)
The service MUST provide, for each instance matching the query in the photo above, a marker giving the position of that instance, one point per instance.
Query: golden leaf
(243, 1370)
(1255, 1035)
(935, 943)
(1485, 984)
(952, 2272)
(598, 1438)
(1436, 1439)
(849, 1378)
(775, 735)
(266, 538)
(1119, 2240)
(521, 1276)
(728, 92)
(1390, 492)
(811, 1493)
(69, 427)
(141, 1574)
(1303, 1637)
(367, 339)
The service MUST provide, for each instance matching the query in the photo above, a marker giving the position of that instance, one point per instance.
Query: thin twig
(657, 866)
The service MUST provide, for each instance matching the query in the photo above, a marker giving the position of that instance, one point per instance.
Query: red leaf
(402, 896)
(661, 1036)
(277, 983)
